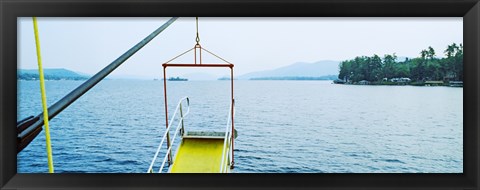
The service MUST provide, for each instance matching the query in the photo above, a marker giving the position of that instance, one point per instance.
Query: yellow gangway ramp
(198, 155)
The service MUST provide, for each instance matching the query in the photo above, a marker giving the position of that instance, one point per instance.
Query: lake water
(283, 126)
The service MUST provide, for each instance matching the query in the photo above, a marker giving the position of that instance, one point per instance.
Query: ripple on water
(282, 127)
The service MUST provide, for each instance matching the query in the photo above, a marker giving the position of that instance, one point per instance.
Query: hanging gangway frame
(198, 63)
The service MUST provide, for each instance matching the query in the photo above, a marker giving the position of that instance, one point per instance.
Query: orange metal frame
(200, 64)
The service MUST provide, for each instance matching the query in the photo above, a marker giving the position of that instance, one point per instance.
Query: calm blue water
(283, 126)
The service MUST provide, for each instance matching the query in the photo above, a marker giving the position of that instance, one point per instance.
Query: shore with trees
(423, 70)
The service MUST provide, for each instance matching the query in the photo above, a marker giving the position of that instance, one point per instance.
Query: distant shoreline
(49, 74)
(53, 79)
(426, 83)
(328, 77)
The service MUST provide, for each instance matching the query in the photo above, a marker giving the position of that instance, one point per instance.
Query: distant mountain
(317, 69)
(49, 74)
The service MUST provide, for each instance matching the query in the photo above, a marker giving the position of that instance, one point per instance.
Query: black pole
(26, 128)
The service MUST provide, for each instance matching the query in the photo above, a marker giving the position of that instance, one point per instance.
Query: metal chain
(198, 37)
(198, 41)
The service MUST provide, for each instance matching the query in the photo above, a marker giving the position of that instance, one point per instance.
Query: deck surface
(198, 155)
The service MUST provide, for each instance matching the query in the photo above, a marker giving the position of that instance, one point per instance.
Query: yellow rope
(44, 97)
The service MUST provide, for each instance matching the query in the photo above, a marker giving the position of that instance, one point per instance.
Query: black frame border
(11, 9)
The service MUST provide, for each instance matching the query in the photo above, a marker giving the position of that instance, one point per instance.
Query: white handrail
(150, 169)
(169, 148)
(228, 136)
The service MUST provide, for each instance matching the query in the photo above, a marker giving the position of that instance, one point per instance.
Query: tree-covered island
(424, 70)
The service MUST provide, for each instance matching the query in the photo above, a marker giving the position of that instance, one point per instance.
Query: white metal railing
(167, 134)
(227, 151)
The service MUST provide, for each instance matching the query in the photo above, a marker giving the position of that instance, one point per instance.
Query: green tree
(450, 51)
(459, 63)
(375, 68)
(389, 62)
(430, 53)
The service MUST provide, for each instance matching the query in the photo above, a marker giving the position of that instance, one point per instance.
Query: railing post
(233, 125)
(166, 114)
(229, 157)
(168, 147)
(181, 117)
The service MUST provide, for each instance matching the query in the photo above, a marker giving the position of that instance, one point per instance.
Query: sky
(88, 44)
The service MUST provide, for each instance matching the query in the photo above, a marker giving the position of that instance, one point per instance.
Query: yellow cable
(44, 97)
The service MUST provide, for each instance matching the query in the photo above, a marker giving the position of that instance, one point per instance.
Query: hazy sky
(88, 44)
